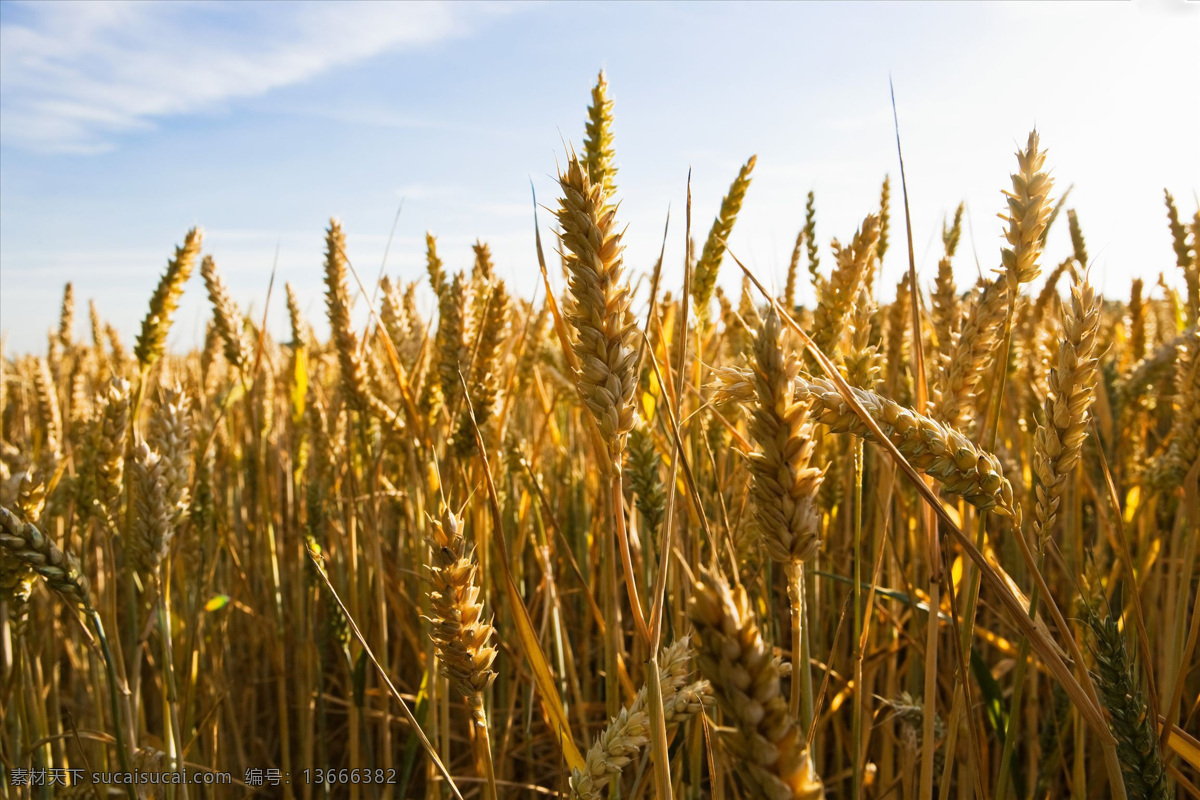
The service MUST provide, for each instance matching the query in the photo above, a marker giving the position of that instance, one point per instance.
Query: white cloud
(77, 74)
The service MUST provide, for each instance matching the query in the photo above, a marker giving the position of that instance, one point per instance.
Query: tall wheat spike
(451, 339)
(164, 301)
(66, 316)
(150, 539)
(789, 290)
(1078, 245)
(1029, 210)
(1185, 258)
(1058, 442)
(709, 264)
(971, 355)
(606, 331)
(810, 239)
(1174, 465)
(433, 265)
(227, 318)
(784, 485)
(171, 436)
(484, 381)
(885, 216)
(836, 296)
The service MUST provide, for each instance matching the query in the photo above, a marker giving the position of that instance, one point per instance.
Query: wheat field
(622, 538)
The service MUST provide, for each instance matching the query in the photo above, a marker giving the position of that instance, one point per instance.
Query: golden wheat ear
(709, 263)
(1029, 210)
(26, 545)
(628, 733)
(165, 300)
(765, 739)
(460, 631)
(606, 331)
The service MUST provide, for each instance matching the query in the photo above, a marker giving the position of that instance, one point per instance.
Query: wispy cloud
(77, 75)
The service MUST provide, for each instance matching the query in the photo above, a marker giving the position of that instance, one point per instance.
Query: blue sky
(122, 124)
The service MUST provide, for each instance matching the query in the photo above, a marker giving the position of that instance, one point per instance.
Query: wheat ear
(49, 418)
(227, 318)
(150, 538)
(460, 632)
(355, 371)
(23, 542)
(810, 239)
(1137, 741)
(705, 275)
(451, 335)
(1029, 211)
(789, 289)
(110, 445)
(171, 435)
(1185, 258)
(971, 355)
(606, 332)
(767, 742)
(1058, 442)
(836, 296)
(645, 473)
(932, 448)
(628, 732)
(1174, 465)
(1078, 245)
(485, 381)
(66, 316)
(783, 486)
(165, 300)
